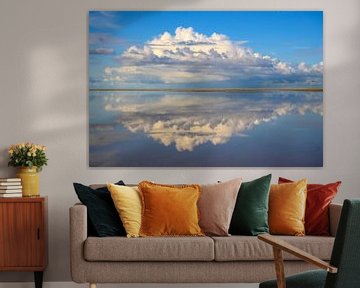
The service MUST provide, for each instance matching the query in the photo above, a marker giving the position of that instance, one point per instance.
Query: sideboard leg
(92, 285)
(38, 279)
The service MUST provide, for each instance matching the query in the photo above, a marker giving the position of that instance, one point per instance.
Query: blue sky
(178, 48)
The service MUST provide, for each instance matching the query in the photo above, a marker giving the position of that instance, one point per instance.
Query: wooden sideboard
(23, 235)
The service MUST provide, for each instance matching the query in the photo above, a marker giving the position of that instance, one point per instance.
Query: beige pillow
(216, 205)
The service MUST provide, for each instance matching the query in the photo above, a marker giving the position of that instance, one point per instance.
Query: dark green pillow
(250, 216)
(102, 215)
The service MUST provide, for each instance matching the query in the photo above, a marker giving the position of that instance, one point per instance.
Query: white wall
(43, 90)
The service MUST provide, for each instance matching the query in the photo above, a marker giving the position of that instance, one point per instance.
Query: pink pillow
(216, 205)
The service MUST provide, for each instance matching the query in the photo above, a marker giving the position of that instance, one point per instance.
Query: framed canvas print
(205, 88)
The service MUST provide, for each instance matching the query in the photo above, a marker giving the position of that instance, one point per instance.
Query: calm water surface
(206, 129)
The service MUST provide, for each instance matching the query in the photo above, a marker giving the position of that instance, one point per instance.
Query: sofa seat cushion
(149, 249)
(244, 248)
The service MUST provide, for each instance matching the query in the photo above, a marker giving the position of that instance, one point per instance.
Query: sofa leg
(92, 285)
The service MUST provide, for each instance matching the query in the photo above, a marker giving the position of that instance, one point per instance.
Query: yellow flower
(41, 147)
(28, 154)
(11, 151)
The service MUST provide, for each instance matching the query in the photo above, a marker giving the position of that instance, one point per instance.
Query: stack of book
(10, 187)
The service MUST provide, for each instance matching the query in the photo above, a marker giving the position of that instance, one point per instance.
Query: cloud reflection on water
(188, 120)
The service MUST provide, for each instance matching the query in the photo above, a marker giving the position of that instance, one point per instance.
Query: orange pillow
(318, 200)
(287, 204)
(169, 210)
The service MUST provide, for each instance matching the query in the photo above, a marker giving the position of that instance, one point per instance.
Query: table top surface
(23, 199)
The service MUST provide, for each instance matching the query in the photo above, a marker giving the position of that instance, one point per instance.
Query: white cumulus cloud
(188, 56)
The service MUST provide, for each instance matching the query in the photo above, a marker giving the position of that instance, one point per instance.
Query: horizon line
(304, 89)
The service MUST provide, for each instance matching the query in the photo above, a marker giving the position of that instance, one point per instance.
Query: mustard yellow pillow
(169, 210)
(287, 204)
(127, 201)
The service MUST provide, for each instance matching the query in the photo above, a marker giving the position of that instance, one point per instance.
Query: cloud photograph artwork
(205, 89)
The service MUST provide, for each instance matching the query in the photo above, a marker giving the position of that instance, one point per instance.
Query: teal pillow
(250, 216)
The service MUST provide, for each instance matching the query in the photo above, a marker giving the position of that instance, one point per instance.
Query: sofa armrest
(334, 217)
(78, 235)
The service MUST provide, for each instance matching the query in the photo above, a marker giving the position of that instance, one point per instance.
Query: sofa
(233, 259)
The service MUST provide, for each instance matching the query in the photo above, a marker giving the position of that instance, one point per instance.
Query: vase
(30, 181)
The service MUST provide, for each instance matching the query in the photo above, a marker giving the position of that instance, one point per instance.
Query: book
(10, 191)
(9, 183)
(10, 180)
(10, 187)
(2, 195)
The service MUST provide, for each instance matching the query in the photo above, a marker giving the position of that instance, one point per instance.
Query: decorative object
(287, 204)
(30, 181)
(205, 88)
(216, 206)
(102, 215)
(127, 201)
(30, 158)
(10, 187)
(169, 210)
(23, 236)
(318, 199)
(250, 215)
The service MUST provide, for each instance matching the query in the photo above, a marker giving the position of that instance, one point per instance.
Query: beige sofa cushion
(243, 248)
(149, 249)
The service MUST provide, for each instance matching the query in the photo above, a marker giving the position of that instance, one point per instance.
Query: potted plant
(30, 158)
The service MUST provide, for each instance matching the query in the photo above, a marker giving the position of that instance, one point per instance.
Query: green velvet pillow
(250, 216)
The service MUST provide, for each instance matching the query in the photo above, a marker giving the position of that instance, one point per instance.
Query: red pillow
(319, 197)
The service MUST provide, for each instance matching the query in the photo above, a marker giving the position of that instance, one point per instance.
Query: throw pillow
(102, 215)
(127, 201)
(169, 210)
(250, 215)
(287, 208)
(319, 197)
(216, 206)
